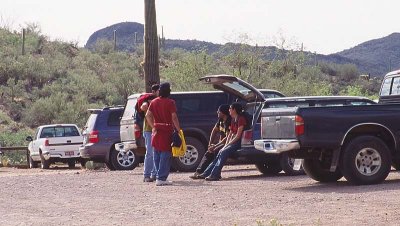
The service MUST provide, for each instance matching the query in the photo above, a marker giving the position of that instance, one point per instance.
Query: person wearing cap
(217, 139)
(163, 119)
(149, 172)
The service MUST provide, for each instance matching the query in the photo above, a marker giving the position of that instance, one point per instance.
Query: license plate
(69, 153)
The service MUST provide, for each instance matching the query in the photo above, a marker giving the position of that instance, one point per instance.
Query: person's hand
(154, 130)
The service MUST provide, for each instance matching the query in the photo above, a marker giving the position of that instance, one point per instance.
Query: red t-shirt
(235, 124)
(162, 109)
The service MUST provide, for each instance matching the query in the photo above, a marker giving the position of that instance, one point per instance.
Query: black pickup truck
(359, 142)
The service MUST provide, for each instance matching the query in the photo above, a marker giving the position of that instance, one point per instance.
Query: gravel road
(61, 196)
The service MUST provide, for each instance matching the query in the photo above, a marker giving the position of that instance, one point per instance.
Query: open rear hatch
(234, 86)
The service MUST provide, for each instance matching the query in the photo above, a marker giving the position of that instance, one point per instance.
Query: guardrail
(17, 148)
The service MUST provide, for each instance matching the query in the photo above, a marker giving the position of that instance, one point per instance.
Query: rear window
(114, 118)
(59, 131)
(396, 86)
(130, 108)
(91, 122)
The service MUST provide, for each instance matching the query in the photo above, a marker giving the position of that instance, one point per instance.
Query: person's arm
(144, 106)
(214, 132)
(175, 121)
(236, 137)
(150, 119)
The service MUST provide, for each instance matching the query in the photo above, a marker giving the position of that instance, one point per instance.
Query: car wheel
(71, 163)
(194, 153)
(127, 160)
(366, 160)
(317, 171)
(269, 168)
(288, 165)
(32, 164)
(44, 164)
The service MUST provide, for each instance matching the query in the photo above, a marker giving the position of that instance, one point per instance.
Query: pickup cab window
(65, 131)
(396, 86)
(386, 87)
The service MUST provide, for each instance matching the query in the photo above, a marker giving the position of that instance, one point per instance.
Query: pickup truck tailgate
(278, 123)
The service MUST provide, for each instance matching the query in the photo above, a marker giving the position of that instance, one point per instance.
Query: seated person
(218, 134)
(233, 143)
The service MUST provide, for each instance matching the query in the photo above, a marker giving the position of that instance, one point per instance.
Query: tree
(151, 61)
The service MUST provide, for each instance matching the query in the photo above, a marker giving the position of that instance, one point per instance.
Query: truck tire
(71, 163)
(44, 164)
(194, 153)
(365, 160)
(314, 169)
(32, 164)
(287, 164)
(124, 160)
(269, 168)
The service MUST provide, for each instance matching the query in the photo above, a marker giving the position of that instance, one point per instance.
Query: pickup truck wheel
(44, 164)
(315, 169)
(366, 160)
(287, 164)
(71, 163)
(83, 163)
(32, 164)
(194, 153)
(127, 160)
(269, 168)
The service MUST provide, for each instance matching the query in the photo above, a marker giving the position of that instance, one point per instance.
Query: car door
(33, 145)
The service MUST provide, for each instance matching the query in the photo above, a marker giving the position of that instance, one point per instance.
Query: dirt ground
(61, 196)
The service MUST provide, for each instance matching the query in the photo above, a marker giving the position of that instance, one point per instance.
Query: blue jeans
(215, 168)
(149, 168)
(162, 161)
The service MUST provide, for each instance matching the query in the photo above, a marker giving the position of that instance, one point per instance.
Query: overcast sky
(321, 25)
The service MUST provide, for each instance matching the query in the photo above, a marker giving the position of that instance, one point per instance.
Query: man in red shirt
(162, 117)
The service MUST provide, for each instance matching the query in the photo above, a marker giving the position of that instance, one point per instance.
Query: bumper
(276, 146)
(125, 146)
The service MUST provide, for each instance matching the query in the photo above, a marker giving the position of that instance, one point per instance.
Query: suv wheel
(194, 153)
(269, 168)
(44, 164)
(124, 160)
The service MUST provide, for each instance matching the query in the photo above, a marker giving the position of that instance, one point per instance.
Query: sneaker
(163, 182)
(196, 176)
(212, 179)
(148, 179)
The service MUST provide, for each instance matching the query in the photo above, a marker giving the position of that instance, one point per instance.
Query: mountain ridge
(375, 57)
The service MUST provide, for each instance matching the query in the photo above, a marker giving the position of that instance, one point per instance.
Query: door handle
(68, 141)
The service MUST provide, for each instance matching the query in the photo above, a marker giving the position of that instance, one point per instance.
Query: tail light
(137, 130)
(299, 125)
(247, 137)
(93, 136)
(46, 142)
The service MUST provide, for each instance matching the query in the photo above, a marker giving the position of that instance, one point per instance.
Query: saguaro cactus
(151, 61)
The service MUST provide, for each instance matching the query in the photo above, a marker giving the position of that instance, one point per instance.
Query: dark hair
(155, 87)
(165, 89)
(224, 109)
(238, 107)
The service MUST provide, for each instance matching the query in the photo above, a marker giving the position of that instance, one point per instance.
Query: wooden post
(23, 41)
(115, 40)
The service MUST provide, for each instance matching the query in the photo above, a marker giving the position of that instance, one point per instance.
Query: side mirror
(29, 138)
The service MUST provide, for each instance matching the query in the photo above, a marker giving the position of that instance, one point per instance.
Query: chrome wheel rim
(368, 161)
(125, 159)
(190, 157)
